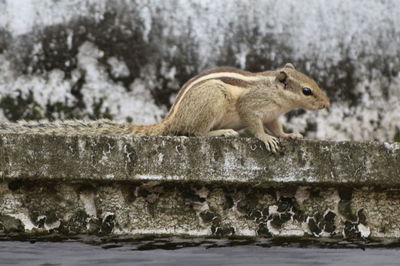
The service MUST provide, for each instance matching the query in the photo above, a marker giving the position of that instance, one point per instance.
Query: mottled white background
(352, 47)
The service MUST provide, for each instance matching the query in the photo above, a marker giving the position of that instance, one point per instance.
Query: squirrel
(215, 103)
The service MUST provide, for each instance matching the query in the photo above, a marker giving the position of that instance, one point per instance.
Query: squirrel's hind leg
(222, 132)
(201, 109)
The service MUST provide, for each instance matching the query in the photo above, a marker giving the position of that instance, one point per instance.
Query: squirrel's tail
(157, 129)
(81, 127)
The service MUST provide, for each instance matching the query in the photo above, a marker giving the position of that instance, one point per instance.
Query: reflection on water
(176, 251)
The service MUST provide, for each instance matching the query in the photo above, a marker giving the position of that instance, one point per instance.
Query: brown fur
(236, 82)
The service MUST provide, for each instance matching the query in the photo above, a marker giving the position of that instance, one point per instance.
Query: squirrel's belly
(230, 120)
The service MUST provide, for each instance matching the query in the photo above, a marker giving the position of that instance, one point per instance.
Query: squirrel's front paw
(294, 135)
(271, 143)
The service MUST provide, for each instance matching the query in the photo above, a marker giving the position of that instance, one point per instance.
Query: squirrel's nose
(326, 103)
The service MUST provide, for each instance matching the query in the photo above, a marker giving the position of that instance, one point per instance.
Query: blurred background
(126, 60)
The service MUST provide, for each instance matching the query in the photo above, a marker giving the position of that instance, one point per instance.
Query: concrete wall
(127, 59)
(197, 187)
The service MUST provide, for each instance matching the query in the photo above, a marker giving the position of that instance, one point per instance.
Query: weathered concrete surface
(197, 159)
(198, 186)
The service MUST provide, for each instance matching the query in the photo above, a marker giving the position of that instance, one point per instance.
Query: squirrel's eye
(307, 91)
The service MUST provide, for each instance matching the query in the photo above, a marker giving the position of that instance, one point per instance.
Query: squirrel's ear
(289, 65)
(282, 76)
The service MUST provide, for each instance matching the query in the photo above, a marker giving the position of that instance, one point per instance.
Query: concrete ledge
(197, 187)
(198, 159)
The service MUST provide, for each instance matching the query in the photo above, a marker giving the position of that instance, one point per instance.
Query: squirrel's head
(304, 91)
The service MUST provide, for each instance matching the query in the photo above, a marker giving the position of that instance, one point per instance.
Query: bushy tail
(81, 127)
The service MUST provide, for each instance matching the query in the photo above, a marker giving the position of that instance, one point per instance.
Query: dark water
(193, 253)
